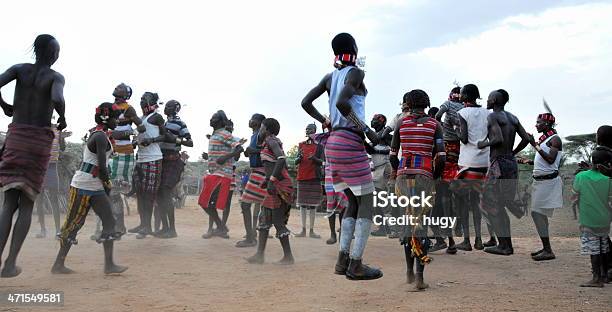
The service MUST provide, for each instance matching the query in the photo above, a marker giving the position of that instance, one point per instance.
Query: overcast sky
(263, 56)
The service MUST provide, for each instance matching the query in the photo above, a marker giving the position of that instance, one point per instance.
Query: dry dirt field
(192, 274)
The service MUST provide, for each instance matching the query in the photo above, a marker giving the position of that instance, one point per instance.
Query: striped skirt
(25, 158)
(282, 193)
(348, 162)
(253, 193)
(336, 201)
(309, 192)
(468, 179)
(122, 166)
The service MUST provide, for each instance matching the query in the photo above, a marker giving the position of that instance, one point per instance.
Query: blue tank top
(254, 159)
(357, 102)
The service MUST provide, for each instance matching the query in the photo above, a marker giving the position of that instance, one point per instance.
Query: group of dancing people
(463, 154)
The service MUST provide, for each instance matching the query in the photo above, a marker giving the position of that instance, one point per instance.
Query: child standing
(593, 191)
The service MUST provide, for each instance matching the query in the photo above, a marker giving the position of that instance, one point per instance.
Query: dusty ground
(192, 274)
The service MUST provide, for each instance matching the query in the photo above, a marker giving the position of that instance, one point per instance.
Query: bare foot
(286, 261)
(61, 269)
(256, 259)
(114, 269)
(10, 271)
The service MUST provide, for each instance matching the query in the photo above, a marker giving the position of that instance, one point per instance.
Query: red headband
(547, 117)
(351, 58)
(106, 111)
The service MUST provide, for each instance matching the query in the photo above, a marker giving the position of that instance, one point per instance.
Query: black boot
(452, 249)
(604, 268)
(59, 266)
(249, 241)
(136, 229)
(109, 265)
(258, 257)
(359, 271)
(332, 228)
(409, 264)
(478, 245)
(465, 245)
(420, 283)
(596, 281)
(492, 242)
(546, 252)
(504, 248)
(439, 245)
(342, 263)
(288, 256)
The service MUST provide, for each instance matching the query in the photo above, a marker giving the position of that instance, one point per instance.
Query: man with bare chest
(27, 149)
(502, 178)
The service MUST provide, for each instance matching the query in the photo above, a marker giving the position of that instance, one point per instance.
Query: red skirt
(214, 185)
(283, 192)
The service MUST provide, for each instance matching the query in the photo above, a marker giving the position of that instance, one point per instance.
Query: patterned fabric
(233, 184)
(416, 236)
(452, 157)
(348, 161)
(500, 187)
(336, 201)
(468, 179)
(451, 118)
(309, 192)
(417, 144)
(274, 217)
(122, 167)
(546, 135)
(592, 244)
(147, 176)
(177, 127)
(215, 192)
(253, 193)
(25, 158)
(79, 203)
(173, 170)
(221, 143)
(283, 188)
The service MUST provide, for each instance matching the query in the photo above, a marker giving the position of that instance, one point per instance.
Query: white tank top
(469, 154)
(85, 180)
(153, 151)
(540, 165)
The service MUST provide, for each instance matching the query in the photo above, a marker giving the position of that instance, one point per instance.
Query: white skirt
(547, 195)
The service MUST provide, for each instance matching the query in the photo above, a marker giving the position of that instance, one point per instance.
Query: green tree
(580, 147)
